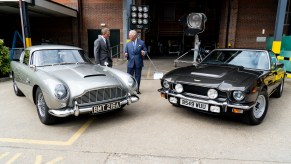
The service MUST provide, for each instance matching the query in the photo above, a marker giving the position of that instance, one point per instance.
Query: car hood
(222, 77)
(82, 77)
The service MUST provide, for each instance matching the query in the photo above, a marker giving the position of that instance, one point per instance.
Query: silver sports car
(61, 81)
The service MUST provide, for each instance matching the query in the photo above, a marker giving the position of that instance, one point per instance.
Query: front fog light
(212, 93)
(215, 109)
(179, 88)
(238, 95)
(173, 100)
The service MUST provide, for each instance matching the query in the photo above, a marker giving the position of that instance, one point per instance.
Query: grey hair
(133, 32)
(104, 30)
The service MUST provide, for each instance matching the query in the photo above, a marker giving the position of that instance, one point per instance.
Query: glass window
(50, 57)
(245, 58)
(25, 57)
(274, 60)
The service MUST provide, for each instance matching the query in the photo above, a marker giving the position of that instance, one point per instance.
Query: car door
(24, 74)
(276, 73)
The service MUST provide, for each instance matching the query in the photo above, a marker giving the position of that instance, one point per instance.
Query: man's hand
(125, 55)
(142, 52)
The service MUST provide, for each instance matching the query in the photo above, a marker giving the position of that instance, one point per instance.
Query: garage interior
(165, 35)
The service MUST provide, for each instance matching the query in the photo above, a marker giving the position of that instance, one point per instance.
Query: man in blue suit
(135, 51)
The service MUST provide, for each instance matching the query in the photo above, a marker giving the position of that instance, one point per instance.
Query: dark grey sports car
(237, 81)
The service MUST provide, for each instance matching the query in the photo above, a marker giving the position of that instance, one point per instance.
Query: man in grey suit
(102, 49)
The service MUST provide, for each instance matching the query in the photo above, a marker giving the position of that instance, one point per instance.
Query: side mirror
(279, 65)
(32, 67)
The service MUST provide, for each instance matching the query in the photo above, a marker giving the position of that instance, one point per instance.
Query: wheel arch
(34, 93)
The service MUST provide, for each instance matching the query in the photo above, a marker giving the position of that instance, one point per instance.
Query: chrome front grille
(100, 95)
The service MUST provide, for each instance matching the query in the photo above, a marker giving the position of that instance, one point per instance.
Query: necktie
(133, 45)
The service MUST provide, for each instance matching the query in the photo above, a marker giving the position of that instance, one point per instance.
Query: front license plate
(105, 107)
(194, 104)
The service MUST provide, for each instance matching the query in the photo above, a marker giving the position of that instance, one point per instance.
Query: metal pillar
(25, 23)
(196, 48)
(281, 11)
(126, 12)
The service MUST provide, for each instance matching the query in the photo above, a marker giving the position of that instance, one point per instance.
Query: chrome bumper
(77, 110)
(224, 105)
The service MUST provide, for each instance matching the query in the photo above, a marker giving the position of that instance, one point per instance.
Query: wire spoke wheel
(41, 105)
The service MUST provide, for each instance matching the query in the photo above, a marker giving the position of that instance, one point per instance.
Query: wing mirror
(32, 67)
(279, 65)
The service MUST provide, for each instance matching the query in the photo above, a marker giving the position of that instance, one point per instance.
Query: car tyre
(42, 109)
(257, 114)
(279, 90)
(17, 91)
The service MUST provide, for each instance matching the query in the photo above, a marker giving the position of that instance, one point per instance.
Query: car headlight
(179, 88)
(212, 93)
(131, 82)
(60, 91)
(238, 95)
(166, 84)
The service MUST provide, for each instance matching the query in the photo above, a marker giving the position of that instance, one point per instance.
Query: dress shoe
(138, 92)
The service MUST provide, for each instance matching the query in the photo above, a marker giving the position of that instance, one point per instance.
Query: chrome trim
(212, 102)
(77, 110)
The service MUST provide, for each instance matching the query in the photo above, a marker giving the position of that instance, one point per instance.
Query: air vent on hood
(208, 75)
(94, 75)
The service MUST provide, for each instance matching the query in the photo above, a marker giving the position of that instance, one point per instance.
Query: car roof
(240, 49)
(42, 47)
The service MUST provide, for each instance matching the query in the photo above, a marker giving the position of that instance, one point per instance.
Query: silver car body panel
(78, 78)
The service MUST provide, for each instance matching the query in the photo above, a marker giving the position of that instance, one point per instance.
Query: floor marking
(38, 159)
(15, 157)
(55, 160)
(4, 155)
(70, 141)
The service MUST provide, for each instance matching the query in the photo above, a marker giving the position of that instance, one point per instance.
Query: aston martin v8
(236, 81)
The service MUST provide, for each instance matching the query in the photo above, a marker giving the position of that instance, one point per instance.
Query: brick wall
(253, 17)
(101, 11)
(95, 12)
(248, 19)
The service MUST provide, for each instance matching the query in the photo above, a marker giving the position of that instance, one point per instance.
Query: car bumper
(223, 104)
(77, 109)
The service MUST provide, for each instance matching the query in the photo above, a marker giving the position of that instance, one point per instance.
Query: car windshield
(59, 56)
(246, 58)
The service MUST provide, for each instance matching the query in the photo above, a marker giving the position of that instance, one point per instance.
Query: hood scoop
(208, 75)
(93, 75)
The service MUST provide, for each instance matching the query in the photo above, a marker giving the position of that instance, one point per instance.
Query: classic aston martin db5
(237, 81)
(61, 81)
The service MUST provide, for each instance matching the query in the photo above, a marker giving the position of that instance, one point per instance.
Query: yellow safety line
(38, 159)
(79, 132)
(13, 158)
(288, 75)
(46, 142)
(55, 160)
(4, 155)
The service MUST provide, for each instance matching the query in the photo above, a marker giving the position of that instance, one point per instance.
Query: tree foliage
(4, 59)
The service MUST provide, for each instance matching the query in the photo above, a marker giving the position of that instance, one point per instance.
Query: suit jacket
(134, 55)
(102, 52)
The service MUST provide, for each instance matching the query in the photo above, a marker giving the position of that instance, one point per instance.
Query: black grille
(199, 90)
(103, 94)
